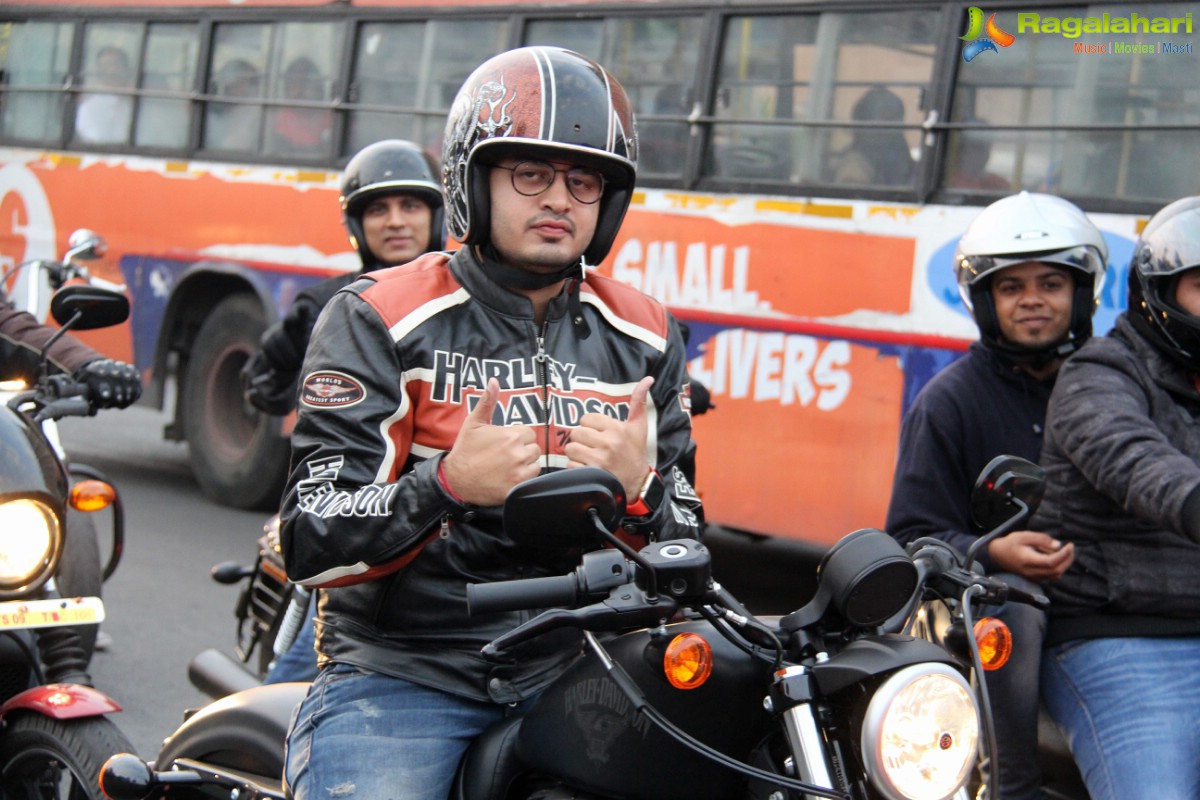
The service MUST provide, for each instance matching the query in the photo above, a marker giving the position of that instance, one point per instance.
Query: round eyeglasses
(531, 178)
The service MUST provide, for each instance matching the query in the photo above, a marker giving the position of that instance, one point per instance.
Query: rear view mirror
(1003, 485)
(96, 307)
(561, 509)
(85, 245)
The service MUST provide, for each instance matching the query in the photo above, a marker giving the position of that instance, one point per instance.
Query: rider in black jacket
(1030, 267)
(391, 202)
(429, 390)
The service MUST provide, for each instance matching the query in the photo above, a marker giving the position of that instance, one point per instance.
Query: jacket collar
(469, 272)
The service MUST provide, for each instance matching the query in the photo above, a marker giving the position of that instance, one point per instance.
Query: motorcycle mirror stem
(651, 582)
(995, 533)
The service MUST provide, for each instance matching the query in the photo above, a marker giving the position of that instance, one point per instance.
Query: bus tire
(237, 453)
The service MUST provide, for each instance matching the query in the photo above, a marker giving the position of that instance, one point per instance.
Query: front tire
(44, 758)
(238, 456)
(79, 572)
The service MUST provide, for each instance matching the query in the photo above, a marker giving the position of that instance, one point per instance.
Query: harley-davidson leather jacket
(396, 361)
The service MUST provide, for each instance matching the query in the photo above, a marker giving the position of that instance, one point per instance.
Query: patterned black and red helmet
(542, 102)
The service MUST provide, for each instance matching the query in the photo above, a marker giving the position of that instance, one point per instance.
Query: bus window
(35, 69)
(655, 61)
(168, 74)
(234, 122)
(406, 75)
(1127, 102)
(777, 73)
(306, 54)
(104, 109)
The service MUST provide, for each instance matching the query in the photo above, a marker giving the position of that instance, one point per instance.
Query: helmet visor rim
(1084, 258)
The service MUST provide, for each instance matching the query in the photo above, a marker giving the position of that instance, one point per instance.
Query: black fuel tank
(586, 731)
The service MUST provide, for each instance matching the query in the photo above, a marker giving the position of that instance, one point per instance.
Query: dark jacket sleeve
(682, 516)
(350, 512)
(22, 338)
(1106, 418)
(932, 485)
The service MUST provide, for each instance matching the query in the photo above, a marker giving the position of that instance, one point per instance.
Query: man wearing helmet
(1122, 461)
(391, 203)
(1030, 268)
(429, 390)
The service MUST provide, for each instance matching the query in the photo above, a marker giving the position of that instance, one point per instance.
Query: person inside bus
(234, 126)
(111, 384)
(1030, 268)
(877, 156)
(1122, 461)
(104, 117)
(302, 130)
(413, 393)
(969, 167)
(391, 201)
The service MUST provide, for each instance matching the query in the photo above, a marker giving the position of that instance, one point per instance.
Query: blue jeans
(298, 662)
(1128, 707)
(365, 735)
(1013, 692)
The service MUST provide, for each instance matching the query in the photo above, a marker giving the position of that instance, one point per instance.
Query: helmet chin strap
(520, 279)
(1036, 357)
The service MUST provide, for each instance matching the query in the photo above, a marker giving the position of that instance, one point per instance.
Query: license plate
(51, 613)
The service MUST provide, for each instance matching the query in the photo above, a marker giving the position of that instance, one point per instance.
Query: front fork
(809, 760)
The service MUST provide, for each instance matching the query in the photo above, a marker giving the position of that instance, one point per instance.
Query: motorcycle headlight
(31, 540)
(921, 733)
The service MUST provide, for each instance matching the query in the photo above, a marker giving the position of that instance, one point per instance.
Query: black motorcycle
(681, 691)
(54, 735)
(270, 611)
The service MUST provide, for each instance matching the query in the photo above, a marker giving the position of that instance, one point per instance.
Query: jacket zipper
(540, 358)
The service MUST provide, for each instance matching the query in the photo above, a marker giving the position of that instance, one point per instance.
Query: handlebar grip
(488, 598)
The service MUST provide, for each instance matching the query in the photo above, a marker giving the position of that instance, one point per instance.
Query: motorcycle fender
(244, 731)
(61, 701)
(866, 658)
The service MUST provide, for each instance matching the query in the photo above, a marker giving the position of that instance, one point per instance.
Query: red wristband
(445, 482)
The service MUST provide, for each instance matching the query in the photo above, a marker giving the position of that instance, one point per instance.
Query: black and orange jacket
(394, 364)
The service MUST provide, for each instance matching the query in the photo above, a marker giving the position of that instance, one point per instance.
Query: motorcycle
(270, 611)
(681, 691)
(54, 733)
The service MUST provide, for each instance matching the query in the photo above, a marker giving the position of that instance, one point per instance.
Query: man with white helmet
(1030, 268)
(431, 389)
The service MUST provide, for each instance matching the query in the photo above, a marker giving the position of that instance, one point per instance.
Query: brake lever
(625, 607)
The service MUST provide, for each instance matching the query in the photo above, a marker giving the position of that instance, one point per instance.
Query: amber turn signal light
(92, 495)
(688, 661)
(995, 642)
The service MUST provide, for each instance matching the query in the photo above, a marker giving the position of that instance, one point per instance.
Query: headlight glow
(921, 733)
(30, 542)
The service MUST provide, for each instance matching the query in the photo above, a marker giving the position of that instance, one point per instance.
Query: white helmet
(1031, 227)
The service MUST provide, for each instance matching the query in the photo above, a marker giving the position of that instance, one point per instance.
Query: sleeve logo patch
(330, 389)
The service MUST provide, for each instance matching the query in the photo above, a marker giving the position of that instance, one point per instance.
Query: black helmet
(1031, 227)
(1168, 247)
(542, 101)
(389, 167)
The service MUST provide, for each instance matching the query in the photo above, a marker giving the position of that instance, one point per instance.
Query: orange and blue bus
(806, 170)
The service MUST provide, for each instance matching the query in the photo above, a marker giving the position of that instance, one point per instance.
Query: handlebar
(938, 567)
(600, 572)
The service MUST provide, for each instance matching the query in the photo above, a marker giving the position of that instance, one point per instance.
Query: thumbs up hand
(487, 460)
(619, 447)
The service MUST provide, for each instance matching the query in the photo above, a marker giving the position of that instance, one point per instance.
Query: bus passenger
(302, 130)
(1030, 268)
(877, 156)
(412, 412)
(103, 117)
(1122, 461)
(234, 126)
